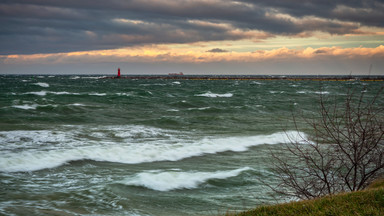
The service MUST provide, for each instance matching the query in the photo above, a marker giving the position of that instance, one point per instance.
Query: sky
(268, 37)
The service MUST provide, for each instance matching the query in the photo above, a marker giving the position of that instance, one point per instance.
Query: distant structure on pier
(118, 73)
(176, 74)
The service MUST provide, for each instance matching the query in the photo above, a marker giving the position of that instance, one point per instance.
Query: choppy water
(80, 145)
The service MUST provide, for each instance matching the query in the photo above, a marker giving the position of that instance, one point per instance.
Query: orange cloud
(191, 55)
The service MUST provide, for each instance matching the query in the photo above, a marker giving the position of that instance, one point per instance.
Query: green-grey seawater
(82, 145)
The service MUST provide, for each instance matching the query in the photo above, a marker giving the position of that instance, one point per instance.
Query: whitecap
(26, 106)
(173, 110)
(302, 92)
(312, 92)
(257, 83)
(94, 77)
(276, 92)
(322, 92)
(64, 93)
(74, 77)
(97, 94)
(152, 150)
(154, 84)
(124, 94)
(77, 104)
(200, 108)
(172, 180)
(176, 82)
(41, 84)
(213, 95)
(32, 106)
(40, 93)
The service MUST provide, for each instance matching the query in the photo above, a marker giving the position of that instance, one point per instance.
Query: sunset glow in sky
(194, 36)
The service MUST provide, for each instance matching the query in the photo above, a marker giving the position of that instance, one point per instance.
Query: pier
(250, 77)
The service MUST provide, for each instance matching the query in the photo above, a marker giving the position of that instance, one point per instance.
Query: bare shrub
(344, 152)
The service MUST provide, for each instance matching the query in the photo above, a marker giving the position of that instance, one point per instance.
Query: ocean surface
(83, 145)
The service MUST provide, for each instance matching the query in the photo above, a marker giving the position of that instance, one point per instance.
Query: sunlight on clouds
(186, 55)
(128, 21)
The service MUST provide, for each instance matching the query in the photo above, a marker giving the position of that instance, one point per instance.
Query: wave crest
(213, 95)
(173, 180)
(46, 149)
(41, 84)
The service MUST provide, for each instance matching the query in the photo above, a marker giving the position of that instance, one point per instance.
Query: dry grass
(368, 202)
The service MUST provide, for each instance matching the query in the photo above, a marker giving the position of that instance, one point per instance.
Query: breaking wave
(44, 93)
(173, 180)
(41, 84)
(32, 106)
(36, 150)
(213, 95)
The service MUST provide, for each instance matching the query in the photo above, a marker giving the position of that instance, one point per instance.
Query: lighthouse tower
(118, 73)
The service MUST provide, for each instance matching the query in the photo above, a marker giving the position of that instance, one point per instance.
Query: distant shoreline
(251, 77)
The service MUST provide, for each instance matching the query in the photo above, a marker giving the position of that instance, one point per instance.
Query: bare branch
(345, 152)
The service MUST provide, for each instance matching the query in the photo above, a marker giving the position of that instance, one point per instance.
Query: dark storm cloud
(44, 26)
(217, 50)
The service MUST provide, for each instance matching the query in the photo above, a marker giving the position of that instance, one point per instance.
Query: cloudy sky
(192, 36)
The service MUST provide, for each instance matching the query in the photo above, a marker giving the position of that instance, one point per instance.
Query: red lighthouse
(118, 72)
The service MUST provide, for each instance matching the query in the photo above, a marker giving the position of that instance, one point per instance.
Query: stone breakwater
(221, 77)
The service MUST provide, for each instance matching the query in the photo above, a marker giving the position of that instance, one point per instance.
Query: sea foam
(173, 180)
(135, 146)
(41, 84)
(97, 94)
(40, 93)
(26, 106)
(213, 95)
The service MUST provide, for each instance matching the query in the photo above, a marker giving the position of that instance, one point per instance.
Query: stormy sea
(85, 145)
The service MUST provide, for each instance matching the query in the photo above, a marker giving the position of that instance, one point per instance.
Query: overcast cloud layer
(52, 26)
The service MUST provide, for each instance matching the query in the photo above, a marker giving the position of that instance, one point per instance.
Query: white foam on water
(123, 94)
(94, 77)
(26, 106)
(138, 132)
(200, 108)
(31, 139)
(40, 93)
(176, 82)
(97, 94)
(322, 92)
(140, 144)
(74, 77)
(173, 110)
(312, 92)
(77, 104)
(32, 106)
(44, 93)
(276, 92)
(257, 83)
(173, 180)
(64, 93)
(41, 84)
(213, 95)
(153, 84)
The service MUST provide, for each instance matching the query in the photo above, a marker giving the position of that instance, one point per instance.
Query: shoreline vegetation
(369, 201)
(345, 178)
(251, 77)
